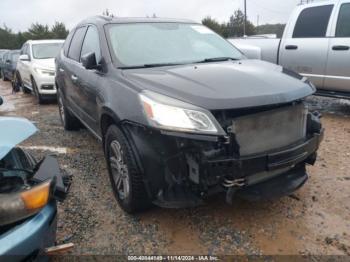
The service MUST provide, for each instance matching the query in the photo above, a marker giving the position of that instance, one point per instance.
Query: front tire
(126, 178)
(19, 82)
(38, 96)
(68, 120)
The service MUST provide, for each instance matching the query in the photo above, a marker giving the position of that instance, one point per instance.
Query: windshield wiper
(218, 59)
(150, 65)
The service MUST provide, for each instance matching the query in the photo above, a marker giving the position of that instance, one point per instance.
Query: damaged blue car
(29, 190)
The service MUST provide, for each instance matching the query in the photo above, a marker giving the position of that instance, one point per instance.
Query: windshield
(141, 44)
(45, 51)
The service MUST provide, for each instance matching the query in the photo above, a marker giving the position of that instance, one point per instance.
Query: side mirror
(1, 101)
(89, 61)
(8, 61)
(24, 58)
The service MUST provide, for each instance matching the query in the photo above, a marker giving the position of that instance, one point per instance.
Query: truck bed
(258, 48)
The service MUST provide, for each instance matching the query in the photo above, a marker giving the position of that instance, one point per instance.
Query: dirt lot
(315, 220)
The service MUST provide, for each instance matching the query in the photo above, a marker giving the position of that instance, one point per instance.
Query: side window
(313, 22)
(23, 50)
(343, 24)
(67, 43)
(28, 51)
(75, 45)
(92, 43)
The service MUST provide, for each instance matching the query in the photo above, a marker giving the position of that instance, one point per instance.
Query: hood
(224, 85)
(12, 132)
(48, 64)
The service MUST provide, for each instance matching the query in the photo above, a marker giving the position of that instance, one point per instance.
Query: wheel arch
(109, 117)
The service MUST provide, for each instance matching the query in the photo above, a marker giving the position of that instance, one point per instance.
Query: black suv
(182, 114)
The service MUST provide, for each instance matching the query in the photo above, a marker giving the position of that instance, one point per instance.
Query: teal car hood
(13, 131)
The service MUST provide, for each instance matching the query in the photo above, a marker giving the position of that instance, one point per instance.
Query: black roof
(101, 20)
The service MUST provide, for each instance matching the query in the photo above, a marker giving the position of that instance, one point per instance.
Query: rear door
(72, 67)
(304, 48)
(338, 66)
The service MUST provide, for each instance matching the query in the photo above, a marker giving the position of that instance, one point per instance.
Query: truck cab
(315, 43)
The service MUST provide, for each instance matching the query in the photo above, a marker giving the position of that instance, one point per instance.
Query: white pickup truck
(315, 43)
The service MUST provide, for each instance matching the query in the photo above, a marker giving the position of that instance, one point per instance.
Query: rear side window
(75, 45)
(67, 43)
(313, 22)
(92, 43)
(343, 25)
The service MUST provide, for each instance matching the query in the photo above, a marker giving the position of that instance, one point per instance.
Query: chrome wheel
(119, 170)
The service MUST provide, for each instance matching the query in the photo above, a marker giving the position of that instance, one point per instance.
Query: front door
(88, 79)
(23, 66)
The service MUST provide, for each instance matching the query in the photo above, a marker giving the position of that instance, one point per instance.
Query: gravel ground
(315, 220)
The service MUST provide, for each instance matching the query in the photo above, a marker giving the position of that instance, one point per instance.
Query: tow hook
(233, 186)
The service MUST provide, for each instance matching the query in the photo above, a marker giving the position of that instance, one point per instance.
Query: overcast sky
(20, 14)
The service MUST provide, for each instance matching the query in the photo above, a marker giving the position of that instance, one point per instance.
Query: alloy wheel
(119, 169)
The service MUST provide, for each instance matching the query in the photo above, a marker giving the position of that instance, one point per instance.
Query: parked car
(36, 67)
(315, 43)
(182, 114)
(2, 52)
(10, 62)
(28, 193)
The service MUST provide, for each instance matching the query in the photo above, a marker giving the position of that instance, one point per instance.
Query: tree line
(234, 27)
(37, 31)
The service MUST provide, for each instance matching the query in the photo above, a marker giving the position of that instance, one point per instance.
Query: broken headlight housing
(17, 206)
(174, 115)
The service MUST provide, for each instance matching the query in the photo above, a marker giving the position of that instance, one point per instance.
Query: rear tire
(126, 178)
(68, 120)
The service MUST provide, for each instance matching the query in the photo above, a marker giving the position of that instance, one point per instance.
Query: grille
(269, 130)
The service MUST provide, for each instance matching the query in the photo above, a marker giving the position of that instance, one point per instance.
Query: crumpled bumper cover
(267, 162)
(277, 187)
(181, 171)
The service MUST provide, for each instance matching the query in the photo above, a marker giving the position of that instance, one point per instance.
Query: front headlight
(17, 206)
(44, 71)
(170, 114)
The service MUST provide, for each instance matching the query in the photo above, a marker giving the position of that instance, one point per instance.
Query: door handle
(291, 47)
(74, 78)
(340, 48)
(61, 70)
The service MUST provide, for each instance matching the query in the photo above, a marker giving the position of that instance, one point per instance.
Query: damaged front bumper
(181, 170)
